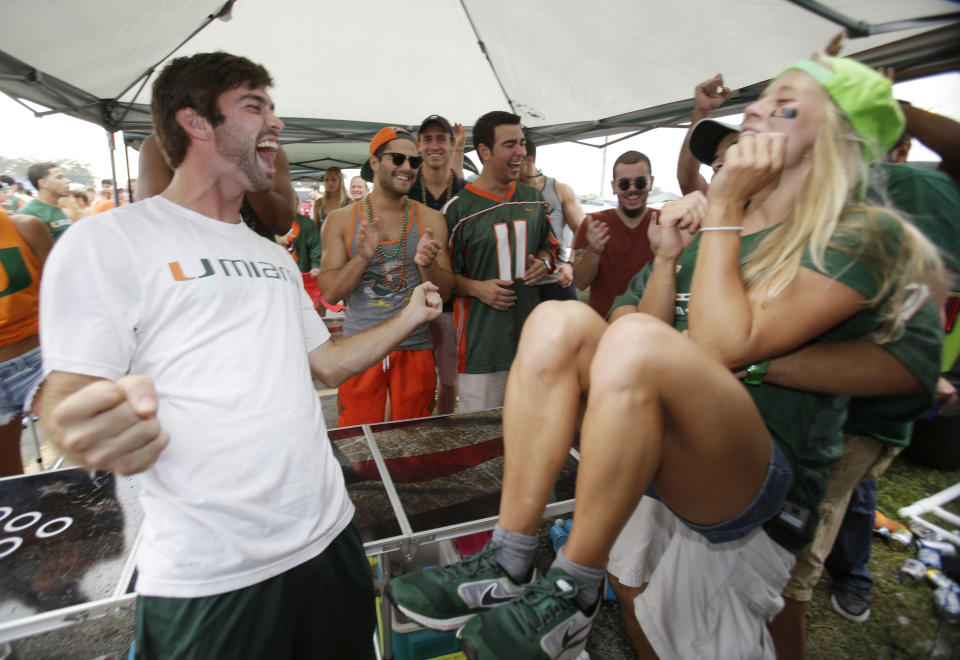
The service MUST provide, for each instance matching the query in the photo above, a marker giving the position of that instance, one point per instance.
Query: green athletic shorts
(323, 608)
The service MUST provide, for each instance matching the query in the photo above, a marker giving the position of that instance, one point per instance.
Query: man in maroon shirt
(612, 245)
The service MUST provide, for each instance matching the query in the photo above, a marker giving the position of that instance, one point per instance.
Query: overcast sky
(583, 167)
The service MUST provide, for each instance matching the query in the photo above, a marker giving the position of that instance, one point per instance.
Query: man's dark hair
(631, 158)
(39, 171)
(106, 182)
(197, 82)
(531, 145)
(484, 129)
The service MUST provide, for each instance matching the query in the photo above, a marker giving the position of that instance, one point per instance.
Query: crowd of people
(721, 380)
(30, 224)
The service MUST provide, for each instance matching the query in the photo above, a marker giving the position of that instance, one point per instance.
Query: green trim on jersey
(483, 237)
(57, 221)
(307, 244)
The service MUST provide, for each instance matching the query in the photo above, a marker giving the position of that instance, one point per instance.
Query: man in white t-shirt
(180, 345)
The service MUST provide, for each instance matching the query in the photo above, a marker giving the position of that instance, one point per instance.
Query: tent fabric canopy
(571, 69)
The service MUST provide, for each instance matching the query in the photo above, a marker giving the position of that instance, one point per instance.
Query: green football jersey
(57, 221)
(490, 238)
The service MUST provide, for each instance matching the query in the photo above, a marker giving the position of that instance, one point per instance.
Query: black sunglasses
(640, 183)
(415, 161)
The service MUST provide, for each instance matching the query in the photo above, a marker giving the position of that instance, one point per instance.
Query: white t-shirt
(217, 316)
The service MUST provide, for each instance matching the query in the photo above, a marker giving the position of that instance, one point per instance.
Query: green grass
(904, 623)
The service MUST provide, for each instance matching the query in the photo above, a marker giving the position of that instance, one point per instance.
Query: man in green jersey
(891, 385)
(501, 245)
(877, 427)
(51, 185)
(7, 200)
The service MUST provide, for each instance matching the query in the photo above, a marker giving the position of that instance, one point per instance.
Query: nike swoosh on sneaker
(492, 596)
(569, 638)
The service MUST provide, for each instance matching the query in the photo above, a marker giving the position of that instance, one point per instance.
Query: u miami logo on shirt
(15, 268)
(204, 268)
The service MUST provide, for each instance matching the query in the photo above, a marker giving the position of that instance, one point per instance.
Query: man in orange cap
(375, 252)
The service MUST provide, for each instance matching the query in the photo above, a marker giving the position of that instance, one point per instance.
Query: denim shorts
(765, 505)
(19, 377)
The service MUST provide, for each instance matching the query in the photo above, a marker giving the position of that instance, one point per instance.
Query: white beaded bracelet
(727, 228)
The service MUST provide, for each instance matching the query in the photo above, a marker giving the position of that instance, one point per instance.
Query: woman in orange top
(24, 245)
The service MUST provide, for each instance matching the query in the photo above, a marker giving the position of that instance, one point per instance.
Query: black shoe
(851, 606)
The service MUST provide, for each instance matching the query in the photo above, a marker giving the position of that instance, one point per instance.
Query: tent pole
(113, 169)
(603, 163)
(126, 159)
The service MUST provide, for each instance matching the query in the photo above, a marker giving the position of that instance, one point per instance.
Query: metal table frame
(407, 543)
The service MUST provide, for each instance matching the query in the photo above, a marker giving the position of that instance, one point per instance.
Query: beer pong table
(68, 539)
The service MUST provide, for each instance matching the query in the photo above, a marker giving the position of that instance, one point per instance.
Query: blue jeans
(765, 505)
(19, 376)
(848, 562)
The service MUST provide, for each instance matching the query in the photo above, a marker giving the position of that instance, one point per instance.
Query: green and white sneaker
(448, 597)
(544, 622)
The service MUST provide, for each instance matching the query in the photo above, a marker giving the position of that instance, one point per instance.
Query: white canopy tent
(571, 69)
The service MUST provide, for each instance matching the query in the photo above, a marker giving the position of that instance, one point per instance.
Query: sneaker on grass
(544, 622)
(448, 597)
(851, 606)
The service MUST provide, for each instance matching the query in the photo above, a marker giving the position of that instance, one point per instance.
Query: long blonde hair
(343, 192)
(830, 213)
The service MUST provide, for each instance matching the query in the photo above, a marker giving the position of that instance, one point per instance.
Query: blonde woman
(780, 254)
(334, 195)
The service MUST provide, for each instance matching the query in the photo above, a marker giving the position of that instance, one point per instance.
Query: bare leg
(661, 411)
(442, 334)
(788, 629)
(10, 460)
(625, 597)
(540, 411)
(446, 399)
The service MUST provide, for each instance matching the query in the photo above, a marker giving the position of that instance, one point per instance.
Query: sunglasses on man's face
(639, 183)
(415, 161)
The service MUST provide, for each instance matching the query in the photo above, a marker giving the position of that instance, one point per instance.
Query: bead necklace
(447, 194)
(399, 283)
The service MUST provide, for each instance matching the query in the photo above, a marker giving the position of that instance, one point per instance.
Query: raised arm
(336, 360)
(938, 133)
(432, 259)
(459, 143)
(589, 244)
(707, 97)
(738, 328)
(339, 273)
(674, 231)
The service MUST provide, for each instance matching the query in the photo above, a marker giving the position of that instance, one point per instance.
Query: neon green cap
(864, 96)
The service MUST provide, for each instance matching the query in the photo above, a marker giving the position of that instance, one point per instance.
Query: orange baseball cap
(383, 136)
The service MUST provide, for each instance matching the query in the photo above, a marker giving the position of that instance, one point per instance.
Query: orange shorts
(411, 379)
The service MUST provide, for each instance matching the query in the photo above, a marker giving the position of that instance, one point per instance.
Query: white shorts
(703, 599)
(481, 391)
